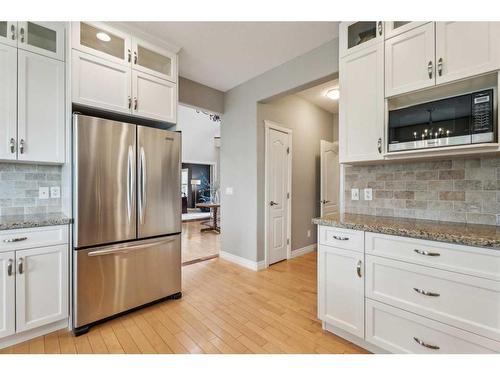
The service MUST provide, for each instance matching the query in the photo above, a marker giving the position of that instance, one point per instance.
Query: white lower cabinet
(411, 295)
(41, 286)
(7, 294)
(341, 299)
(33, 283)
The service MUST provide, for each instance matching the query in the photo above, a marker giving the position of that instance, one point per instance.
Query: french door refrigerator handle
(130, 182)
(142, 194)
(113, 249)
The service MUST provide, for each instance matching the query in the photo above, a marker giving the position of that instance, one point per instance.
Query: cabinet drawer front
(457, 258)
(35, 237)
(398, 331)
(466, 302)
(342, 238)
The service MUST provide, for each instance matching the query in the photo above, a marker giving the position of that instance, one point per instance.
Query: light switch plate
(229, 191)
(368, 194)
(355, 194)
(43, 192)
(55, 192)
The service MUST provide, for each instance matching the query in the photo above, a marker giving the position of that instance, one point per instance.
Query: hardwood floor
(224, 309)
(197, 245)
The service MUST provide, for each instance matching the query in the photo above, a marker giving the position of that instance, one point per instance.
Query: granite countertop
(31, 221)
(458, 233)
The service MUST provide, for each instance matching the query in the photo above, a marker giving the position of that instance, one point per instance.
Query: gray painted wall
(200, 96)
(242, 151)
(310, 124)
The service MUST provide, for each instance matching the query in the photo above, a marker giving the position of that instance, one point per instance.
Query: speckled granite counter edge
(33, 221)
(476, 241)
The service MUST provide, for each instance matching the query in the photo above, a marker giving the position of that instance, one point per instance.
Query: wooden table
(210, 224)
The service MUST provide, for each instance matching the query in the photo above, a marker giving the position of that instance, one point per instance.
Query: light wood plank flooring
(225, 309)
(198, 245)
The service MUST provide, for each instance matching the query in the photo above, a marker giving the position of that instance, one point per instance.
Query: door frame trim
(271, 125)
(335, 144)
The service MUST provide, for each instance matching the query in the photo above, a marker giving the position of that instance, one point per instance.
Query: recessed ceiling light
(103, 36)
(333, 94)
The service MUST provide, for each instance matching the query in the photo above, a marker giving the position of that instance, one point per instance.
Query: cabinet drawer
(466, 302)
(398, 331)
(342, 238)
(464, 259)
(34, 237)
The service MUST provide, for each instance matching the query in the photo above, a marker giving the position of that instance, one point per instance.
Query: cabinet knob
(430, 69)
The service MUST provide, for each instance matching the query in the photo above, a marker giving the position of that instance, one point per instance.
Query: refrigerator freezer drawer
(117, 278)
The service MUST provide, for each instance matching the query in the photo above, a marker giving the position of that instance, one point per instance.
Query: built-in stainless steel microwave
(459, 120)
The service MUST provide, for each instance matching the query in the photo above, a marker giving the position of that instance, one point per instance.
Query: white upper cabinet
(40, 108)
(102, 41)
(465, 49)
(101, 83)
(409, 61)
(154, 98)
(8, 33)
(341, 289)
(361, 105)
(41, 286)
(150, 59)
(393, 28)
(44, 38)
(8, 102)
(7, 293)
(355, 36)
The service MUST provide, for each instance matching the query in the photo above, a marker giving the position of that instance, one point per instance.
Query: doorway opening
(199, 183)
(309, 118)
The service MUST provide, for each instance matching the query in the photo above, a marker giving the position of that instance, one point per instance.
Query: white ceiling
(223, 55)
(316, 95)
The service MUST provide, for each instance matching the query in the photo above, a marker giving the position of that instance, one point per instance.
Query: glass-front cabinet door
(44, 38)
(358, 35)
(153, 60)
(102, 41)
(393, 28)
(8, 33)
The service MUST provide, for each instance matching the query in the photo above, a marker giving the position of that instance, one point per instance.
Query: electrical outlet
(309, 233)
(355, 194)
(368, 194)
(43, 192)
(55, 192)
(229, 191)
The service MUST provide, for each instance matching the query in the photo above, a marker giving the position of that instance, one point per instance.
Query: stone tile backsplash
(459, 190)
(19, 185)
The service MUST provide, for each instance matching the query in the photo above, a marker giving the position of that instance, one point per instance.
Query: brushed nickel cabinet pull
(380, 28)
(379, 145)
(21, 146)
(17, 239)
(20, 266)
(424, 344)
(430, 69)
(12, 32)
(9, 267)
(358, 268)
(427, 253)
(12, 145)
(426, 293)
(21, 32)
(339, 238)
(440, 66)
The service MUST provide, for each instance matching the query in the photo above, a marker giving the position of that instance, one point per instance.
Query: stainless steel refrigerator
(127, 210)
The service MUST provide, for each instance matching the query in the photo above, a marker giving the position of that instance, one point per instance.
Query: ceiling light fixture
(333, 94)
(103, 36)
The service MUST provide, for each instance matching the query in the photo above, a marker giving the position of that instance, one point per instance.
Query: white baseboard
(252, 265)
(303, 250)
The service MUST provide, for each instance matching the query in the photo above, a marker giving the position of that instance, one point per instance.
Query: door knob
(273, 203)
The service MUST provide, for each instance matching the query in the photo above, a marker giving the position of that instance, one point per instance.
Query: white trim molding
(244, 262)
(303, 250)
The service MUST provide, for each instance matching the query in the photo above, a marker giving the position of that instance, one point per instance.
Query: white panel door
(101, 83)
(361, 105)
(40, 108)
(409, 61)
(7, 294)
(42, 286)
(8, 102)
(154, 98)
(465, 49)
(277, 170)
(330, 170)
(44, 38)
(341, 293)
